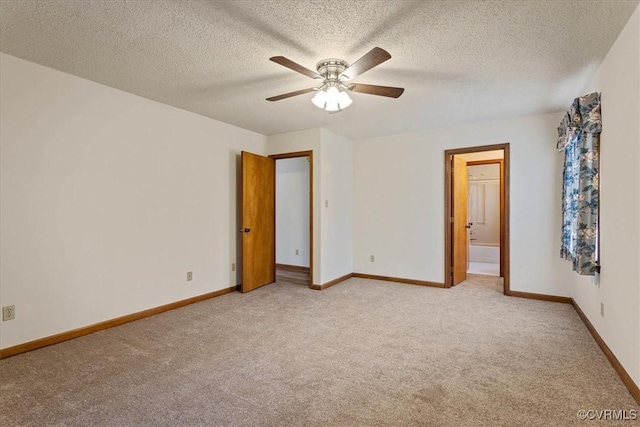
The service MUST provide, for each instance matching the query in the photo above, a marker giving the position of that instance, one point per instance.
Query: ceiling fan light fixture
(332, 106)
(332, 99)
(333, 95)
(344, 100)
(320, 99)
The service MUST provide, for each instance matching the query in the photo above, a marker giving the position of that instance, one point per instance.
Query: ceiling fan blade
(290, 94)
(374, 57)
(388, 91)
(295, 66)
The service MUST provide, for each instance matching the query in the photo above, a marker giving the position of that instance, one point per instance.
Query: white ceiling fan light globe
(332, 94)
(344, 100)
(332, 105)
(320, 99)
(337, 99)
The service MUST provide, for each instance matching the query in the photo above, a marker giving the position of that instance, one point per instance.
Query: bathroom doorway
(477, 213)
(485, 215)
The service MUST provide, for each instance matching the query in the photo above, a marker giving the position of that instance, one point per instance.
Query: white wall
(337, 207)
(618, 79)
(107, 200)
(292, 211)
(399, 198)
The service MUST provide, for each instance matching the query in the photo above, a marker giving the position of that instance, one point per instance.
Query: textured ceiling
(460, 61)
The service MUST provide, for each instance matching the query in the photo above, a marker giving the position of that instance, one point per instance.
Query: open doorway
(485, 214)
(294, 218)
(477, 213)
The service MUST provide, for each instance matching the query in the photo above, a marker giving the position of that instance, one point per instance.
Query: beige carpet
(363, 352)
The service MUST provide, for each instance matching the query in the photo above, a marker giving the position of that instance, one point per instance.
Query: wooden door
(460, 197)
(258, 221)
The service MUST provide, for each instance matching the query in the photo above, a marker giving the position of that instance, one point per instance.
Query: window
(579, 140)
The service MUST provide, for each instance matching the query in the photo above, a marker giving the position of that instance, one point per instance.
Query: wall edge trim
(540, 297)
(86, 330)
(617, 366)
(331, 283)
(400, 280)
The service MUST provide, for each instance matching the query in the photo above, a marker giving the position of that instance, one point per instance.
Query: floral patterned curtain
(579, 139)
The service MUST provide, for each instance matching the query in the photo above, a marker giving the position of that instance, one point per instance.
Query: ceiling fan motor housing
(330, 69)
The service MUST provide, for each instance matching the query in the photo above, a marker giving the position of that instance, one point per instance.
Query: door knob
(245, 230)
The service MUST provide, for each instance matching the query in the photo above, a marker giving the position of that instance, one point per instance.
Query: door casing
(504, 197)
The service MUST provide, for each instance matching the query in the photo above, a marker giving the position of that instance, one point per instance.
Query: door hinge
(451, 220)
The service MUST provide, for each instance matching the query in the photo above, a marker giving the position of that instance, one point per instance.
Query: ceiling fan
(334, 76)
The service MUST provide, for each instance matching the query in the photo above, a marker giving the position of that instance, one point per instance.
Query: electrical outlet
(233, 267)
(372, 258)
(602, 309)
(9, 312)
(297, 251)
(189, 276)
